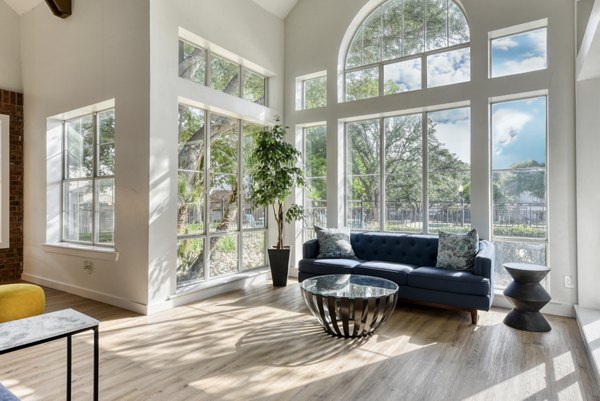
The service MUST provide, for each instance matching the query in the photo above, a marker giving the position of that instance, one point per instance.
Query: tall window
(519, 182)
(400, 40)
(315, 168)
(88, 179)
(219, 231)
(394, 184)
(209, 69)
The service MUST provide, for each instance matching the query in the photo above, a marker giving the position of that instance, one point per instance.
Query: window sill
(84, 251)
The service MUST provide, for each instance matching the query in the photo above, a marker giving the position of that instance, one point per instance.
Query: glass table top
(349, 286)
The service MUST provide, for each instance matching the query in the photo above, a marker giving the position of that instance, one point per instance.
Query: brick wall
(11, 103)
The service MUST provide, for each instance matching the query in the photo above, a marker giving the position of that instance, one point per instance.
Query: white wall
(238, 26)
(313, 35)
(10, 53)
(99, 53)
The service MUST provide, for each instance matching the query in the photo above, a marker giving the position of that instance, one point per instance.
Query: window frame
(209, 55)
(382, 172)
(207, 234)
(93, 178)
(545, 241)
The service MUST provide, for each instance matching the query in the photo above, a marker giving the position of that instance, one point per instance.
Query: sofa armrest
(484, 261)
(310, 249)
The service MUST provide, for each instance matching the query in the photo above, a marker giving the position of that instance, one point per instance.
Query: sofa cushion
(459, 282)
(457, 251)
(334, 243)
(328, 266)
(418, 250)
(395, 272)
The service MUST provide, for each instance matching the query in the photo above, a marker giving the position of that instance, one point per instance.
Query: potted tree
(274, 174)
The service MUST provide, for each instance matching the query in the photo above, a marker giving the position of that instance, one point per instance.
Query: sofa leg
(474, 316)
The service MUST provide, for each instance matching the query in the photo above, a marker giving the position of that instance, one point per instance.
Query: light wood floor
(262, 344)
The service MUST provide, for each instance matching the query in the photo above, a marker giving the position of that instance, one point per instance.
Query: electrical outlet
(88, 266)
(569, 282)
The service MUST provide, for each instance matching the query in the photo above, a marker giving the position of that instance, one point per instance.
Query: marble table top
(22, 332)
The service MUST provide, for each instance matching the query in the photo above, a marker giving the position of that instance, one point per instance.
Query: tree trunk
(279, 220)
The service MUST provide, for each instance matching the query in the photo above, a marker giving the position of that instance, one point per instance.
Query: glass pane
(315, 151)
(78, 211)
(190, 203)
(80, 147)
(315, 202)
(254, 245)
(449, 68)
(414, 20)
(372, 33)
(436, 24)
(363, 147)
(106, 143)
(224, 75)
(191, 176)
(253, 216)
(192, 62)
(519, 53)
(190, 260)
(393, 24)
(458, 28)
(403, 167)
(223, 190)
(362, 202)
(449, 201)
(315, 93)
(223, 213)
(519, 199)
(253, 87)
(354, 57)
(106, 126)
(449, 139)
(516, 252)
(362, 84)
(519, 133)
(223, 255)
(402, 77)
(105, 211)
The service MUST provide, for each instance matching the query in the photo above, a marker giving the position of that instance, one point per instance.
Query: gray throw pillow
(457, 251)
(334, 243)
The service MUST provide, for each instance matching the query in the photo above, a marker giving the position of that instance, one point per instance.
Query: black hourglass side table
(527, 296)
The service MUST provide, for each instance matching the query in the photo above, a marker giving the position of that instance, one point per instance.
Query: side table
(527, 296)
(23, 333)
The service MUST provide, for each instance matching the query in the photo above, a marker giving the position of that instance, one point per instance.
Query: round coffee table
(350, 305)
(527, 296)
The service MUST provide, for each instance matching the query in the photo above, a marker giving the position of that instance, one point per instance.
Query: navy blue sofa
(409, 261)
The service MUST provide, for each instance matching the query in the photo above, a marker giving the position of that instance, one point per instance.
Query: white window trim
(4, 181)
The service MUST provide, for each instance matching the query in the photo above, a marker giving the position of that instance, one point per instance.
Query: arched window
(406, 45)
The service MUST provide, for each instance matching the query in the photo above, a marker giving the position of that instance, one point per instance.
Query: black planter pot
(279, 260)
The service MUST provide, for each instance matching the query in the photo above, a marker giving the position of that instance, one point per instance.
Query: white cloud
(520, 66)
(538, 39)
(449, 68)
(407, 74)
(506, 126)
(504, 44)
(456, 137)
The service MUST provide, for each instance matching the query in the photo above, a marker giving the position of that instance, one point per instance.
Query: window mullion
(241, 200)
(94, 176)
(425, 172)
(64, 180)
(382, 177)
(206, 195)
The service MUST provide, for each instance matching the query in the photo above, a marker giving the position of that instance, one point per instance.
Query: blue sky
(519, 53)
(518, 132)
(453, 129)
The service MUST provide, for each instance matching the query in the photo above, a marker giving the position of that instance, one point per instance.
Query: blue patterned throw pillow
(334, 243)
(457, 251)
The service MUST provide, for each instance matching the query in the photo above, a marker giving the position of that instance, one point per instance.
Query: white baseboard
(552, 308)
(88, 293)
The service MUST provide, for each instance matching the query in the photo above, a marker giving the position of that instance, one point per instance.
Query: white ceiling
(280, 8)
(22, 6)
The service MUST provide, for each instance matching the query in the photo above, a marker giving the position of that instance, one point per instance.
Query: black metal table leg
(69, 358)
(96, 363)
